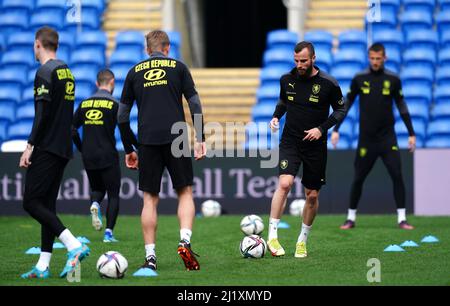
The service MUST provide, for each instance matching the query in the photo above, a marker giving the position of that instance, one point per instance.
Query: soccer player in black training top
(377, 87)
(306, 94)
(48, 150)
(157, 84)
(98, 117)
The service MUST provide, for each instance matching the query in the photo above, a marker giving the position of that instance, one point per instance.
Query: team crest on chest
(315, 89)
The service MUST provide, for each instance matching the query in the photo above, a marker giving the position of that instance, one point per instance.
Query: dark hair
(48, 37)
(305, 44)
(377, 47)
(104, 76)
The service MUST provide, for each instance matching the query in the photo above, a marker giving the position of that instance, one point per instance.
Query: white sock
(304, 233)
(185, 234)
(44, 261)
(150, 250)
(351, 215)
(96, 203)
(401, 214)
(69, 240)
(273, 228)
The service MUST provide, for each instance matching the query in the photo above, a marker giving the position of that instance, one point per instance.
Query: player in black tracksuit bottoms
(98, 117)
(48, 151)
(376, 88)
(306, 94)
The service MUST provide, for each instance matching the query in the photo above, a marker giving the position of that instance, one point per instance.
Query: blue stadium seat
(324, 59)
(353, 59)
(66, 41)
(442, 95)
(83, 91)
(390, 5)
(418, 125)
(439, 127)
(92, 40)
(438, 142)
(134, 126)
(427, 39)
(444, 5)
(13, 22)
(8, 93)
(391, 39)
(7, 111)
(320, 39)
(12, 78)
(387, 21)
(417, 94)
(88, 58)
(20, 130)
(119, 145)
(118, 90)
(353, 39)
(18, 60)
(443, 76)
(271, 76)
(282, 39)
(125, 58)
(27, 95)
(346, 130)
(31, 74)
(420, 5)
(444, 58)
(417, 110)
(3, 130)
(175, 38)
(263, 112)
(84, 74)
(21, 41)
(134, 112)
(394, 59)
(17, 6)
(419, 58)
(415, 20)
(89, 21)
(55, 7)
(440, 111)
(45, 18)
(2, 43)
(443, 21)
(174, 53)
(25, 111)
(97, 6)
(417, 76)
(279, 56)
(131, 41)
(120, 72)
(268, 95)
(344, 74)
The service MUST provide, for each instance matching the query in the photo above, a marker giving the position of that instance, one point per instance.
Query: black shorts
(314, 159)
(105, 180)
(43, 175)
(152, 161)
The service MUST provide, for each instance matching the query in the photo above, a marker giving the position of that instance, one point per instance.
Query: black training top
(98, 117)
(157, 84)
(54, 94)
(306, 102)
(376, 90)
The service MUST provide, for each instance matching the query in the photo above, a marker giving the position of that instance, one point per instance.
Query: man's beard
(307, 73)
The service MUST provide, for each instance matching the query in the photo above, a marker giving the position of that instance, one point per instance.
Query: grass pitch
(335, 257)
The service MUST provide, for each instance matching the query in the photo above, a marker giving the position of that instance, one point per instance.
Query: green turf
(336, 257)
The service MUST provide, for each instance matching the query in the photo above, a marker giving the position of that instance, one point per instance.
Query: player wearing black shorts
(98, 117)
(377, 87)
(157, 85)
(48, 151)
(306, 94)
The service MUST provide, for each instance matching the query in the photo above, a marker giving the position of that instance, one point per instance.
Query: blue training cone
(145, 272)
(394, 248)
(409, 243)
(430, 239)
(58, 245)
(33, 251)
(283, 225)
(83, 239)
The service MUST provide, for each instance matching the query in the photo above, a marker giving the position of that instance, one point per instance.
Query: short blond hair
(157, 40)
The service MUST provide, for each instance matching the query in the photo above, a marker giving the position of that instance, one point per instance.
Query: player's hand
(25, 158)
(199, 150)
(313, 134)
(412, 143)
(334, 138)
(274, 124)
(132, 161)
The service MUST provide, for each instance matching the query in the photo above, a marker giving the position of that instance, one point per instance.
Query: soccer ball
(211, 208)
(252, 225)
(112, 264)
(296, 207)
(253, 246)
